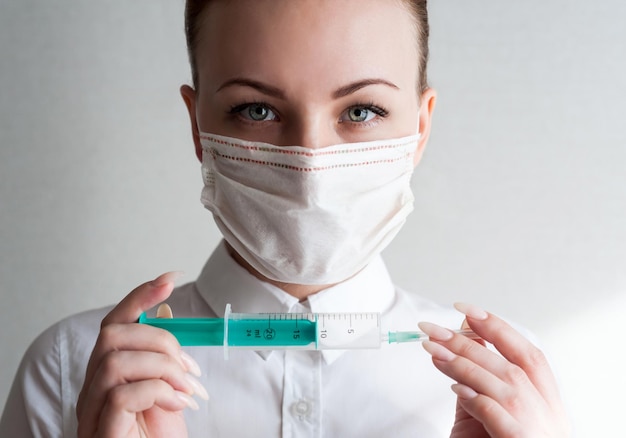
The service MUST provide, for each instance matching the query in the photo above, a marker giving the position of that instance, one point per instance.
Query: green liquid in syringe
(271, 332)
(264, 333)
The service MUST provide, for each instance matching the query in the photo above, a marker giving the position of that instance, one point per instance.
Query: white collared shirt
(394, 391)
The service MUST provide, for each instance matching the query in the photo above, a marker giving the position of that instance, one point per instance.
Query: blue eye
(255, 111)
(362, 113)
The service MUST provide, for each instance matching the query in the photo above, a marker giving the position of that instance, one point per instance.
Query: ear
(427, 107)
(189, 96)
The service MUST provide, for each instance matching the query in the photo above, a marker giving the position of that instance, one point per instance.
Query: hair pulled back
(418, 8)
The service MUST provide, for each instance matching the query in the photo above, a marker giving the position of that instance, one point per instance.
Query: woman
(308, 118)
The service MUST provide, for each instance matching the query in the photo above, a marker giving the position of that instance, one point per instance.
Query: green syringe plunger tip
(405, 336)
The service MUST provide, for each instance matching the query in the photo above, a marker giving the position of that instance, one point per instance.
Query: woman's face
(310, 73)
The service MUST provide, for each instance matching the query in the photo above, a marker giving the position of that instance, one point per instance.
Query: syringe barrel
(252, 331)
(348, 331)
(307, 331)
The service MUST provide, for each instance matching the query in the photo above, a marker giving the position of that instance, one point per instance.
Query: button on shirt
(392, 391)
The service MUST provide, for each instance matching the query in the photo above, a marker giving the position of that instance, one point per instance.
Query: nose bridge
(312, 131)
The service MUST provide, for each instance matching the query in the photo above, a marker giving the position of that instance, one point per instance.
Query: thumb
(142, 298)
(465, 326)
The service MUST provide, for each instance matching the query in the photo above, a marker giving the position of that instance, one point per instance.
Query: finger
(483, 370)
(123, 367)
(142, 298)
(498, 386)
(119, 415)
(494, 418)
(462, 346)
(132, 337)
(128, 310)
(473, 375)
(465, 326)
(518, 401)
(501, 421)
(135, 337)
(514, 347)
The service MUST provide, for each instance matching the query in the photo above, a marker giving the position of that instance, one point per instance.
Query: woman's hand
(513, 395)
(137, 381)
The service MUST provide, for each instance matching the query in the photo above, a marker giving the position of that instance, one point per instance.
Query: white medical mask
(308, 216)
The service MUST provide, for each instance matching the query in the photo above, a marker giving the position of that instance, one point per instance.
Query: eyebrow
(278, 93)
(259, 86)
(356, 86)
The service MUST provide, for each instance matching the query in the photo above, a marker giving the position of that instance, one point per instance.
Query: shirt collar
(224, 281)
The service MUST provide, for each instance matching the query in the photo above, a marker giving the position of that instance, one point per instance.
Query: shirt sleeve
(34, 404)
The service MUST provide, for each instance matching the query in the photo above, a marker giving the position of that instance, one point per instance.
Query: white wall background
(521, 198)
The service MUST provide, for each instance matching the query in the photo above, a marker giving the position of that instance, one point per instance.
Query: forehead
(312, 44)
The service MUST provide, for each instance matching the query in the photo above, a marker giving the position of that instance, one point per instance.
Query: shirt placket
(302, 398)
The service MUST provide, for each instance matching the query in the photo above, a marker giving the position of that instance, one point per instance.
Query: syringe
(282, 331)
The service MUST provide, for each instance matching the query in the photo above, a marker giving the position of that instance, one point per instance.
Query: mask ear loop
(417, 130)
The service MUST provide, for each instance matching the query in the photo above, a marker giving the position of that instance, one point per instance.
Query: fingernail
(168, 277)
(191, 364)
(164, 311)
(464, 392)
(471, 311)
(189, 401)
(438, 351)
(435, 332)
(197, 387)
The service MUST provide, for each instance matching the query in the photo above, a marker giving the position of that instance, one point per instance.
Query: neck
(300, 291)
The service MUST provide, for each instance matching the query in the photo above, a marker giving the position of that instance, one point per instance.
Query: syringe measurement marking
(350, 330)
(270, 333)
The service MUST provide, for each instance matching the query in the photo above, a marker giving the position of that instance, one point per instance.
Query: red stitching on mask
(313, 153)
(217, 154)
